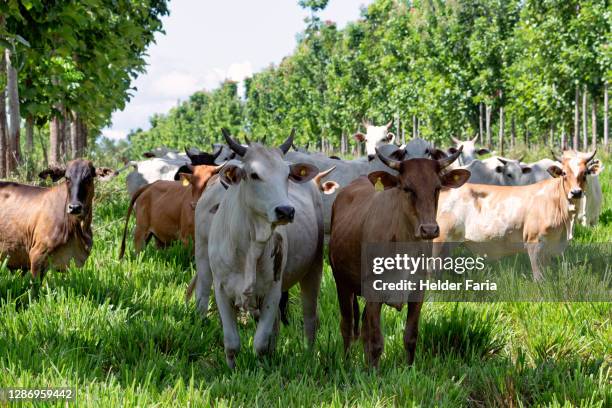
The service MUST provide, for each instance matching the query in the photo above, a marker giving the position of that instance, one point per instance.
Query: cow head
(469, 152)
(79, 175)
(575, 166)
(512, 171)
(264, 179)
(420, 181)
(198, 177)
(375, 136)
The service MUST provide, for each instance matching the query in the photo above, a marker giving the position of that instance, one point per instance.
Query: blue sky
(207, 41)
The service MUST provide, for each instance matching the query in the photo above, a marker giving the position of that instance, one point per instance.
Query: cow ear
(105, 173)
(526, 170)
(452, 150)
(595, 168)
(482, 151)
(232, 174)
(383, 179)
(360, 137)
(329, 187)
(302, 172)
(455, 178)
(390, 137)
(53, 173)
(555, 171)
(148, 155)
(185, 178)
(185, 168)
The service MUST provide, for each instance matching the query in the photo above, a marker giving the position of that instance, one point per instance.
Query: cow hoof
(231, 362)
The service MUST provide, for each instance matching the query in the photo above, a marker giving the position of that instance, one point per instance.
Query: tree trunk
(3, 127)
(54, 141)
(585, 131)
(551, 136)
(594, 122)
(29, 128)
(414, 126)
(501, 130)
(576, 118)
(84, 133)
(488, 119)
(480, 123)
(563, 142)
(513, 133)
(15, 115)
(43, 148)
(605, 112)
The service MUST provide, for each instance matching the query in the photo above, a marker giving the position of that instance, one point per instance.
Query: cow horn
(475, 138)
(318, 177)
(388, 125)
(393, 164)
(554, 155)
(294, 147)
(504, 161)
(287, 144)
(215, 155)
(455, 140)
(247, 140)
(590, 156)
(365, 123)
(447, 161)
(520, 159)
(235, 146)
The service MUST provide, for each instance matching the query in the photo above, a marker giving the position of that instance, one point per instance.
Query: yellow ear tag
(379, 185)
(456, 178)
(303, 172)
(185, 182)
(48, 178)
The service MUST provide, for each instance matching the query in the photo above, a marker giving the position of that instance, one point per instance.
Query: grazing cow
(42, 227)
(374, 137)
(535, 218)
(266, 235)
(404, 211)
(498, 171)
(164, 168)
(469, 150)
(165, 209)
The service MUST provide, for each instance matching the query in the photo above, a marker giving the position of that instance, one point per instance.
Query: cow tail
(190, 288)
(355, 316)
(127, 218)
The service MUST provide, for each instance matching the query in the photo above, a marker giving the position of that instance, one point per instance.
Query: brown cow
(405, 211)
(165, 209)
(49, 226)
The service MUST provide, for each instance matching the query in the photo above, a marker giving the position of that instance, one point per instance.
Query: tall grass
(122, 334)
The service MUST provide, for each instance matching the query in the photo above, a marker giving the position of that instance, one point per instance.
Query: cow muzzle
(284, 214)
(74, 209)
(429, 231)
(575, 193)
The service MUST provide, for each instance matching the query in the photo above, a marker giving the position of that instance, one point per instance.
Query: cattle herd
(260, 217)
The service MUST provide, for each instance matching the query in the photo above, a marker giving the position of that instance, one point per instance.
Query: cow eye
(255, 176)
(409, 190)
(509, 175)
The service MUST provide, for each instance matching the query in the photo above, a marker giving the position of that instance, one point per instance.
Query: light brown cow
(165, 209)
(535, 218)
(42, 227)
(405, 211)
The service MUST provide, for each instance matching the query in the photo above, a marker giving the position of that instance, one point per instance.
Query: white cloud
(114, 134)
(175, 84)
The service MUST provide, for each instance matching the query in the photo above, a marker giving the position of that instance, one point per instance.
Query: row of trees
(508, 70)
(65, 66)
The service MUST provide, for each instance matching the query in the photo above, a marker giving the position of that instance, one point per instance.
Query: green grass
(122, 334)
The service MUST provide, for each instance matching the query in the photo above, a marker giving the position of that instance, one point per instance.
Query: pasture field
(121, 333)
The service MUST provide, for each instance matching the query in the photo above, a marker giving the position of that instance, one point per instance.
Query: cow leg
(309, 288)
(355, 317)
(345, 300)
(38, 262)
(411, 332)
(231, 338)
(265, 335)
(204, 279)
(534, 249)
(373, 342)
(141, 237)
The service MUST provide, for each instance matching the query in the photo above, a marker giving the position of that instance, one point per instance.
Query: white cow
(498, 171)
(374, 137)
(266, 235)
(469, 152)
